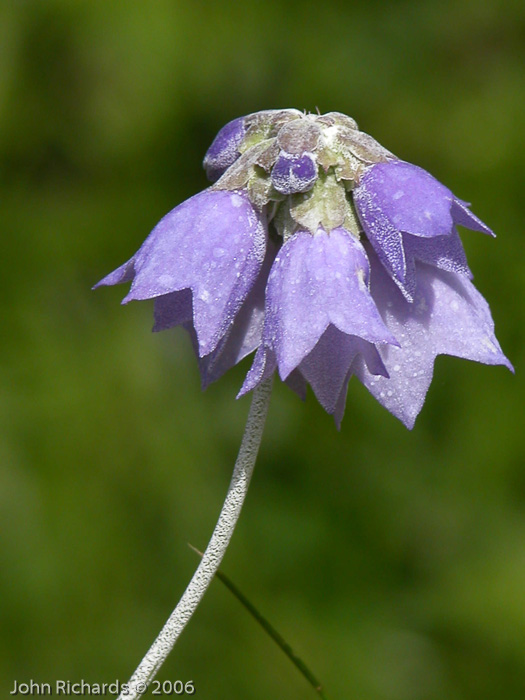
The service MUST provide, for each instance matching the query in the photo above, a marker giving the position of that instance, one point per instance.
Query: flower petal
(445, 252)
(214, 244)
(383, 235)
(408, 215)
(326, 367)
(464, 217)
(264, 365)
(294, 173)
(411, 199)
(124, 273)
(244, 335)
(448, 316)
(318, 280)
(172, 309)
(223, 152)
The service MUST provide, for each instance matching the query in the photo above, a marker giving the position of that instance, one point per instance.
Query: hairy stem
(215, 550)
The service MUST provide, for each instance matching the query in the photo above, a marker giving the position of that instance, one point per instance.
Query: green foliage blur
(392, 561)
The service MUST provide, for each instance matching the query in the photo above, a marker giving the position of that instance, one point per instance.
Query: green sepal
(243, 169)
(324, 205)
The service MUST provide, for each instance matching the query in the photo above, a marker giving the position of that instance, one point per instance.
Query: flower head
(326, 255)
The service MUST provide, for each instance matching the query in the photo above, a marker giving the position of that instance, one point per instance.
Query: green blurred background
(393, 561)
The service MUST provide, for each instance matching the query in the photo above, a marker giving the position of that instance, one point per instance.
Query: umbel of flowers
(325, 255)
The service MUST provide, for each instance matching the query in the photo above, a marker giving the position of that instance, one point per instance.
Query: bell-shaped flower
(212, 244)
(320, 251)
(408, 215)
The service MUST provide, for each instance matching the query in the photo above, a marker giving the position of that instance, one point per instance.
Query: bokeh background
(392, 561)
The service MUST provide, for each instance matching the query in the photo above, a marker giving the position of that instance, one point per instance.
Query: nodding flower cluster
(323, 253)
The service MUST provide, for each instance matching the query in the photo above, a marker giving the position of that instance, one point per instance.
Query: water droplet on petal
(236, 200)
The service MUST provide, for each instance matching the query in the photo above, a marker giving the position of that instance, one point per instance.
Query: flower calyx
(301, 167)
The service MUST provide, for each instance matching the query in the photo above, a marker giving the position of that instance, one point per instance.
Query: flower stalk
(215, 550)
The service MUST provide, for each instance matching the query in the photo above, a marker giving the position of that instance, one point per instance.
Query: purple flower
(320, 251)
(294, 173)
(408, 215)
(224, 150)
(212, 244)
